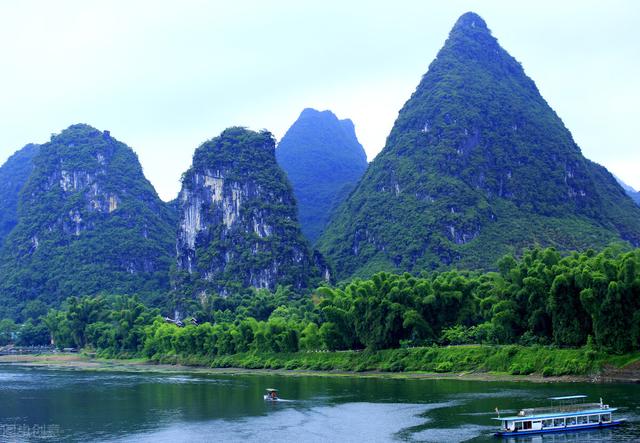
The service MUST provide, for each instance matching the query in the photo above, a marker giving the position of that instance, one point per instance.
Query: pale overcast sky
(164, 76)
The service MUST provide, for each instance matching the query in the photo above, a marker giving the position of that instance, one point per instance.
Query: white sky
(164, 76)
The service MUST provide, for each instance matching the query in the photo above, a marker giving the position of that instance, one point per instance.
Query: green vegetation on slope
(323, 161)
(476, 165)
(13, 175)
(88, 222)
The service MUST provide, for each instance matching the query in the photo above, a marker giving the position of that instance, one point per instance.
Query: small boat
(271, 395)
(568, 414)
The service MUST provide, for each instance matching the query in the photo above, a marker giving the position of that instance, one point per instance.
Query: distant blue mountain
(635, 195)
(323, 161)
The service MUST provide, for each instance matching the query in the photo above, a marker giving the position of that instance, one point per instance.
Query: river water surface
(42, 404)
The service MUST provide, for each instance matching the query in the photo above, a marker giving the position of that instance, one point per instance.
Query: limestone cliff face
(238, 225)
(88, 222)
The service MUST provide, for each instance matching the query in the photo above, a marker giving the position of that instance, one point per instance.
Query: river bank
(481, 363)
(82, 362)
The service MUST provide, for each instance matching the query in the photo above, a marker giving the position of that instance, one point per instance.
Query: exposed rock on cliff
(238, 226)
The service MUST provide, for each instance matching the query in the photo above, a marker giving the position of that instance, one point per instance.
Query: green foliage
(89, 222)
(547, 361)
(543, 313)
(476, 166)
(32, 334)
(13, 175)
(323, 161)
(8, 329)
(115, 325)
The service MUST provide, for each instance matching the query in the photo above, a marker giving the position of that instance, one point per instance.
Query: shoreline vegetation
(543, 315)
(468, 362)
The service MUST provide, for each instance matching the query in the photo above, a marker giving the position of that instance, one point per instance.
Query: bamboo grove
(541, 298)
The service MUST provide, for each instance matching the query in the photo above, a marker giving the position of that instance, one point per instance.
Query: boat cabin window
(526, 425)
(605, 418)
(582, 420)
(558, 422)
(518, 425)
(571, 421)
(547, 423)
(594, 418)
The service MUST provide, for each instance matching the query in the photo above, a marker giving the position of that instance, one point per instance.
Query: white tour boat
(567, 415)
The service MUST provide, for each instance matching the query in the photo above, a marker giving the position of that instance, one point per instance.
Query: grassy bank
(532, 363)
(512, 359)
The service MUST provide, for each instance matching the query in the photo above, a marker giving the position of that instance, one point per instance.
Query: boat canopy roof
(568, 397)
(556, 415)
(271, 390)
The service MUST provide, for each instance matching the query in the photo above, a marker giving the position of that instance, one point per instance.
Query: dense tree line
(540, 298)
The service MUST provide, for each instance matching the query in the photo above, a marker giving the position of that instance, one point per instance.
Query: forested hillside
(89, 222)
(13, 175)
(477, 165)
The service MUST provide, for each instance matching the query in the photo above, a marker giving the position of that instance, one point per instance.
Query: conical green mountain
(476, 165)
(88, 222)
(13, 175)
(323, 161)
(238, 225)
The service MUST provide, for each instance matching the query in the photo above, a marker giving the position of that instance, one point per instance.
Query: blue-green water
(73, 405)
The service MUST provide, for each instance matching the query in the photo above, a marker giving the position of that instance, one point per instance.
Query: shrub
(293, 364)
(445, 366)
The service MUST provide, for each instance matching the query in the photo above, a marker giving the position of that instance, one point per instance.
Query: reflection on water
(360, 421)
(75, 405)
(603, 435)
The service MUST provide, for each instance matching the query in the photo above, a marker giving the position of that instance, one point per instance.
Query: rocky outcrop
(238, 226)
(88, 222)
(323, 161)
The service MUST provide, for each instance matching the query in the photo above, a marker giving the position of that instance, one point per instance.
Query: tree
(571, 324)
(310, 339)
(33, 334)
(8, 330)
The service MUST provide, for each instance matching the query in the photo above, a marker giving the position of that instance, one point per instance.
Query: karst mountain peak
(477, 165)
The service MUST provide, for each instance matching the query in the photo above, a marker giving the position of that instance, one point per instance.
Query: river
(48, 404)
